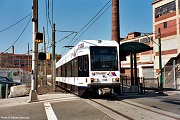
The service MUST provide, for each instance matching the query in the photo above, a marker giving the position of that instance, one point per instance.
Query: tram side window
(68, 66)
(72, 67)
(57, 72)
(60, 71)
(83, 66)
(80, 63)
(75, 67)
(86, 65)
(63, 71)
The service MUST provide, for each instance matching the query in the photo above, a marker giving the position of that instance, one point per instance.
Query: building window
(165, 24)
(165, 9)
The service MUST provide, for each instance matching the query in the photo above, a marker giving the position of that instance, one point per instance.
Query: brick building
(23, 61)
(166, 16)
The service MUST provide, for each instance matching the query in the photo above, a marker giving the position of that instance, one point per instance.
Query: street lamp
(160, 62)
(160, 86)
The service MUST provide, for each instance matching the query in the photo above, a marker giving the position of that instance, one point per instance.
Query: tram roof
(82, 45)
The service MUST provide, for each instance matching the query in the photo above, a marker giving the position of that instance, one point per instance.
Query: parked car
(9, 81)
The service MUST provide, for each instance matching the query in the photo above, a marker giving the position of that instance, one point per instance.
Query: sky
(68, 15)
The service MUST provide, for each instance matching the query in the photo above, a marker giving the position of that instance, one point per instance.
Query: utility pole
(45, 69)
(28, 59)
(53, 58)
(160, 63)
(33, 92)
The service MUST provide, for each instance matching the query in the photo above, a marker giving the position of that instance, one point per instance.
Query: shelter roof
(134, 47)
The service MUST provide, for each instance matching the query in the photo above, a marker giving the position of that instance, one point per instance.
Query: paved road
(170, 101)
(68, 106)
(64, 106)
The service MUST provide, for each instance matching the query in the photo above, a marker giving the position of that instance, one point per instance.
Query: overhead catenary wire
(91, 22)
(48, 20)
(48, 14)
(19, 35)
(94, 16)
(72, 32)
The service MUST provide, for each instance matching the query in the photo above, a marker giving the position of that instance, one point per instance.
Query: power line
(66, 37)
(91, 24)
(48, 14)
(16, 23)
(96, 16)
(62, 39)
(19, 35)
(48, 21)
(92, 21)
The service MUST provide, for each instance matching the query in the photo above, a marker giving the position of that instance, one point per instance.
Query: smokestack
(13, 50)
(115, 21)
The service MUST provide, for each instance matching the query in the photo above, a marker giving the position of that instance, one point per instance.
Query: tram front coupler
(105, 91)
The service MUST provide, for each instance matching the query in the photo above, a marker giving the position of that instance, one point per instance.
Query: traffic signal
(48, 56)
(39, 37)
(42, 56)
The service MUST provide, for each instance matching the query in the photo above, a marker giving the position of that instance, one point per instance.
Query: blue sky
(69, 15)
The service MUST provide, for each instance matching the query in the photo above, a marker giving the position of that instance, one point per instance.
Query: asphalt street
(169, 101)
(71, 107)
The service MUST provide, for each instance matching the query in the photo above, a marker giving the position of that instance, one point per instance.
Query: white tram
(92, 66)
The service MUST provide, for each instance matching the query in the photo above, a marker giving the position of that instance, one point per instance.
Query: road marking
(49, 111)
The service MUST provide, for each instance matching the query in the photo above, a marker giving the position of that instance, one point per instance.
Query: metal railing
(143, 85)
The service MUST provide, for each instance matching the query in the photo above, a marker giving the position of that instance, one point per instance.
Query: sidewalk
(50, 97)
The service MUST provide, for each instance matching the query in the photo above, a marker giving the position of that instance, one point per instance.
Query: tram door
(83, 66)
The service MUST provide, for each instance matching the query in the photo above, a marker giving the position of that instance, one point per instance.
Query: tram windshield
(104, 58)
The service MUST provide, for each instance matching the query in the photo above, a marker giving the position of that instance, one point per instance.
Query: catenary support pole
(53, 59)
(45, 62)
(131, 65)
(174, 74)
(28, 59)
(160, 63)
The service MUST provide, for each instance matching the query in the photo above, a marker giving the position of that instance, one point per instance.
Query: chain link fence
(171, 75)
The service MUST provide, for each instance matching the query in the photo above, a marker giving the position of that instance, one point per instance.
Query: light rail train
(90, 67)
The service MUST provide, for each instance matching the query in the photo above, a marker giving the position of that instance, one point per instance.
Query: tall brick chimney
(115, 21)
(13, 50)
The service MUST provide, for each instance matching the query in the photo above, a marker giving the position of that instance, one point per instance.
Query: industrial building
(166, 17)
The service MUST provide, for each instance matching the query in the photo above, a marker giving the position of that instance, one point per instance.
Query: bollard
(6, 91)
(0, 91)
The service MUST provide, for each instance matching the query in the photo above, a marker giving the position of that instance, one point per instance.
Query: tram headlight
(115, 79)
(94, 79)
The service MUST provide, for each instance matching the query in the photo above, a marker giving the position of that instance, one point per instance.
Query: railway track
(127, 110)
(117, 108)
